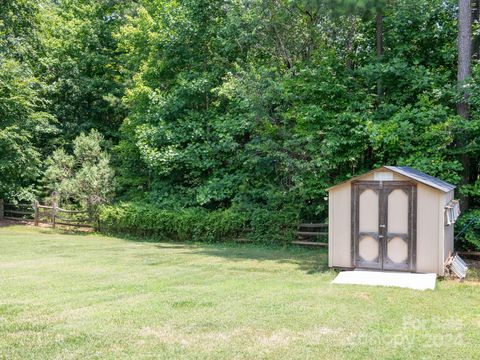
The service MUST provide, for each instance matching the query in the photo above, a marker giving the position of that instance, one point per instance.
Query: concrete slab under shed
(387, 278)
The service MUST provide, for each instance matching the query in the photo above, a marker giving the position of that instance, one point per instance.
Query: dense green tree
(25, 124)
(82, 66)
(276, 100)
(83, 178)
(255, 106)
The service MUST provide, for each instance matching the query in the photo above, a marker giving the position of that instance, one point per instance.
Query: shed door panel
(399, 227)
(398, 211)
(368, 211)
(368, 246)
(383, 225)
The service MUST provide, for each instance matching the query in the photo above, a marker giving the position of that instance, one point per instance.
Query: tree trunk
(464, 53)
(464, 70)
(351, 36)
(379, 41)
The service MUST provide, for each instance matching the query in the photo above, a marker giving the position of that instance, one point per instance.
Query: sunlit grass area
(89, 296)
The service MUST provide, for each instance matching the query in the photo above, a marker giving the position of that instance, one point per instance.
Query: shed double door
(384, 225)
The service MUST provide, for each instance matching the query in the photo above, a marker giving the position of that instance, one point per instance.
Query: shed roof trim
(422, 177)
(414, 175)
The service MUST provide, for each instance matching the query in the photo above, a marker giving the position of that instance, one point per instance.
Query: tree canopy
(252, 105)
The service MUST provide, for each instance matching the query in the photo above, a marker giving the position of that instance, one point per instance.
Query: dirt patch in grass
(5, 223)
(61, 228)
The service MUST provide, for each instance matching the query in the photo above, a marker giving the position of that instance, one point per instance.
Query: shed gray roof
(414, 175)
(422, 177)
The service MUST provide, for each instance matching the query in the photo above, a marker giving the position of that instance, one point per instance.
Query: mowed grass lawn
(89, 296)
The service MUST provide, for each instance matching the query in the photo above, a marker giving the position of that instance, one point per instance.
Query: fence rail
(45, 214)
(309, 233)
(16, 212)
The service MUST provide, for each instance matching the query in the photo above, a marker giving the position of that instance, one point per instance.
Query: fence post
(2, 209)
(54, 212)
(36, 212)
(54, 208)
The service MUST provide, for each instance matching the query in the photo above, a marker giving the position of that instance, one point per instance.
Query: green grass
(80, 296)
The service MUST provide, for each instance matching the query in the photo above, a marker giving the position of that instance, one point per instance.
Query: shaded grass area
(76, 296)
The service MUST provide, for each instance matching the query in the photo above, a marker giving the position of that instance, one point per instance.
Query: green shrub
(196, 224)
(470, 238)
(273, 226)
(183, 225)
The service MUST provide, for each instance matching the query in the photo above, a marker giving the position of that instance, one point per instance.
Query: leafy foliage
(25, 125)
(253, 107)
(184, 225)
(283, 111)
(468, 228)
(84, 178)
(82, 68)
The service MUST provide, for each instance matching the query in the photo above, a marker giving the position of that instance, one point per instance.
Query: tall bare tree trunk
(464, 53)
(379, 41)
(351, 36)
(464, 71)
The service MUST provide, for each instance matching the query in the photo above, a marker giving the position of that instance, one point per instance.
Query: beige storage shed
(391, 218)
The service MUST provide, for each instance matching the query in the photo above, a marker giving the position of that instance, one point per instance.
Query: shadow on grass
(7, 222)
(312, 261)
(43, 228)
(166, 245)
(66, 231)
(139, 238)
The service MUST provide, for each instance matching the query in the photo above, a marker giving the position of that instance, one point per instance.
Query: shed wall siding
(448, 230)
(339, 226)
(441, 234)
(371, 176)
(331, 204)
(428, 234)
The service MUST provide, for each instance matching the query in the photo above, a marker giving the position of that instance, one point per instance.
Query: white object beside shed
(391, 218)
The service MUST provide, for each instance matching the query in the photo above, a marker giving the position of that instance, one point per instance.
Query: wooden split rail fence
(312, 234)
(43, 214)
(307, 234)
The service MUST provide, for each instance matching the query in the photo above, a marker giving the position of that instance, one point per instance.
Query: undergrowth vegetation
(195, 224)
(468, 230)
